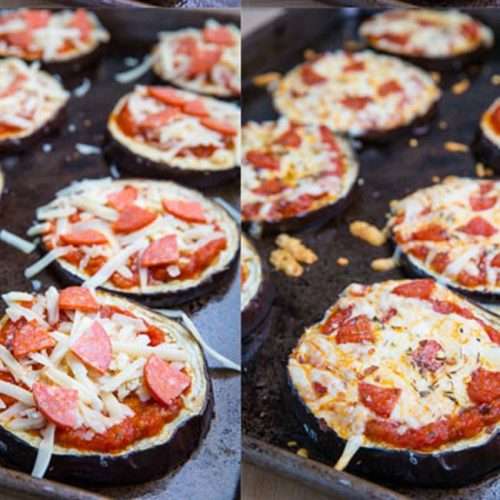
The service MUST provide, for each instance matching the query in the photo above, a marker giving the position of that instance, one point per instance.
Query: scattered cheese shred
(15, 241)
(352, 446)
(45, 451)
(45, 261)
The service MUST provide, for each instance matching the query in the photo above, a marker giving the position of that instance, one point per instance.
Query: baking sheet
(33, 177)
(387, 172)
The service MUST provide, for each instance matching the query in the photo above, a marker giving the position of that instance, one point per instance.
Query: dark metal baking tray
(387, 172)
(32, 179)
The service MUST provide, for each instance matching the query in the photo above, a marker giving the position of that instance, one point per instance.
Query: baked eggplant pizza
(364, 94)
(294, 175)
(400, 381)
(160, 131)
(203, 60)
(97, 389)
(487, 143)
(440, 40)
(32, 104)
(156, 241)
(451, 232)
(64, 41)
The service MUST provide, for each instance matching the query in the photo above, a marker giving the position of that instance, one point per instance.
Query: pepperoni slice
(484, 386)
(14, 86)
(31, 338)
(208, 252)
(269, 187)
(86, 237)
(123, 198)
(219, 126)
(94, 348)
(81, 22)
(263, 160)
(21, 39)
(470, 29)
(309, 76)
(202, 61)
(328, 138)
(36, 18)
(161, 118)
(219, 35)
(77, 298)
(420, 252)
(485, 187)
(319, 389)
(156, 336)
(496, 261)
(161, 252)
(446, 307)
(165, 382)
(431, 232)
(290, 139)
(356, 103)
(355, 66)
(389, 87)
(479, 203)
(126, 122)
(166, 95)
(478, 226)
(426, 356)
(336, 319)
(355, 331)
(57, 404)
(196, 107)
(186, 45)
(132, 218)
(380, 400)
(416, 289)
(440, 262)
(396, 38)
(190, 211)
(492, 333)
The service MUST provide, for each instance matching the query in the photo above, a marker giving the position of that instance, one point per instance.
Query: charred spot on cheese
(449, 231)
(156, 241)
(437, 40)
(294, 175)
(205, 60)
(486, 145)
(32, 104)
(363, 94)
(124, 388)
(159, 131)
(401, 381)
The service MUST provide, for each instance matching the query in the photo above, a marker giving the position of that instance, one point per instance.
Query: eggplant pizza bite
(440, 40)
(61, 40)
(97, 389)
(401, 380)
(294, 175)
(156, 241)
(451, 231)
(32, 104)
(364, 94)
(160, 131)
(487, 142)
(205, 60)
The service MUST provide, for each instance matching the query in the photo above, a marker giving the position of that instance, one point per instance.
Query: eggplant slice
(394, 96)
(371, 386)
(436, 40)
(294, 176)
(145, 458)
(487, 142)
(18, 82)
(449, 232)
(174, 255)
(206, 61)
(162, 132)
(76, 38)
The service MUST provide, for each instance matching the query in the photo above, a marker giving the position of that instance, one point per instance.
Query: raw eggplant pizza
(440, 40)
(487, 142)
(204, 60)
(97, 389)
(449, 231)
(363, 94)
(163, 132)
(400, 381)
(32, 104)
(155, 241)
(294, 175)
(64, 41)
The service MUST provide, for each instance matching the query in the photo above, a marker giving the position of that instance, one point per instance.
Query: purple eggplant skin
(399, 467)
(253, 340)
(143, 167)
(134, 467)
(486, 151)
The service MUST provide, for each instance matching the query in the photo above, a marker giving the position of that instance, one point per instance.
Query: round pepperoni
(263, 160)
(357, 330)
(219, 35)
(221, 127)
(479, 203)
(161, 252)
(86, 237)
(123, 198)
(417, 289)
(431, 232)
(132, 218)
(484, 386)
(426, 356)
(478, 226)
(309, 76)
(166, 95)
(31, 338)
(289, 139)
(380, 400)
(57, 404)
(336, 319)
(389, 87)
(190, 211)
(94, 348)
(196, 107)
(356, 103)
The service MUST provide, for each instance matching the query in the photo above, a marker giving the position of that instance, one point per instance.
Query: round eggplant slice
(363, 94)
(436, 40)
(487, 142)
(206, 61)
(162, 132)
(450, 232)
(388, 383)
(170, 432)
(32, 104)
(65, 42)
(155, 241)
(294, 175)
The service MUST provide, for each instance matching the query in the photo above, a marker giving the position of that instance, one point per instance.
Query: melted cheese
(252, 272)
(486, 127)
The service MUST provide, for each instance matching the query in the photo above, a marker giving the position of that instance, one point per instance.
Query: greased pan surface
(388, 172)
(31, 181)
